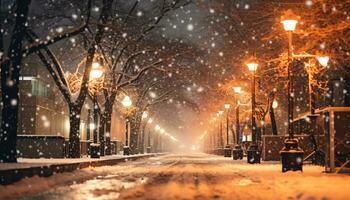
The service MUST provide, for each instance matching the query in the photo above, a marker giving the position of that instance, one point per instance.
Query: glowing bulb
(323, 60)
(144, 115)
(96, 73)
(126, 101)
(252, 66)
(289, 25)
(237, 90)
(274, 104)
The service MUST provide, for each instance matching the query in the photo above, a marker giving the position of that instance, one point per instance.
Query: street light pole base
(253, 154)
(237, 152)
(148, 149)
(292, 156)
(126, 150)
(95, 150)
(227, 151)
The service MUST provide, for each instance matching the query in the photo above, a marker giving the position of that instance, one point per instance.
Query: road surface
(181, 176)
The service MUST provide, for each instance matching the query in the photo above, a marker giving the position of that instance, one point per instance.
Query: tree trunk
(133, 135)
(102, 133)
(108, 123)
(74, 132)
(10, 72)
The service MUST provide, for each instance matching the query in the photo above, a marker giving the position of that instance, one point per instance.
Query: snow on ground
(195, 176)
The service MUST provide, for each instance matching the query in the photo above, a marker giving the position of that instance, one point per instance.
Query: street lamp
(144, 115)
(323, 60)
(94, 86)
(291, 154)
(142, 133)
(126, 102)
(221, 139)
(227, 149)
(237, 152)
(148, 149)
(253, 153)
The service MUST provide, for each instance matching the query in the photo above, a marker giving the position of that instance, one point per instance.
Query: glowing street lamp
(289, 21)
(237, 152)
(96, 71)
(237, 90)
(148, 148)
(252, 66)
(227, 149)
(126, 102)
(323, 60)
(274, 104)
(144, 115)
(291, 154)
(253, 149)
(157, 127)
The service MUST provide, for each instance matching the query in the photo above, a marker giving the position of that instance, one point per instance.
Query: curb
(9, 176)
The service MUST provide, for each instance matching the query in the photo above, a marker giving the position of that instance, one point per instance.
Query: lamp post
(126, 102)
(253, 153)
(221, 139)
(291, 153)
(141, 145)
(94, 85)
(227, 149)
(237, 152)
(162, 131)
(156, 147)
(148, 149)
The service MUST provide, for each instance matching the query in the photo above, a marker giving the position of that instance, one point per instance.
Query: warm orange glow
(227, 106)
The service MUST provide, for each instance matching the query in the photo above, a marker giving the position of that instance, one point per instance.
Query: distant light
(220, 112)
(144, 115)
(150, 120)
(274, 104)
(237, 90)
(92, 126)
(227, 106)
(126, 101)
(95, 65)
(157, 127)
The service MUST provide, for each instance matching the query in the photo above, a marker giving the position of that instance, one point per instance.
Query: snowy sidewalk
(12, 172)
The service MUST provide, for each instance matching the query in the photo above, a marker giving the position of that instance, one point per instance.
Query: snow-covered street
(183, 176)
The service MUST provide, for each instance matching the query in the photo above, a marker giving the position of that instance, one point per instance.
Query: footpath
(12, 172)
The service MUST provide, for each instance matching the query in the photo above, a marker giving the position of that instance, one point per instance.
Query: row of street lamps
(127, 103)
(291, 154)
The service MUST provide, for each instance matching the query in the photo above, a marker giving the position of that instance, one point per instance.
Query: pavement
(12, 172)
(183, 176)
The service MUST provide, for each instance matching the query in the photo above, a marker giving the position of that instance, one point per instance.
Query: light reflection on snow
(244, 182)
(102, 188)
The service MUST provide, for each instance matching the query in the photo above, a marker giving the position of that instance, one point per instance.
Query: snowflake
(190, 27)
